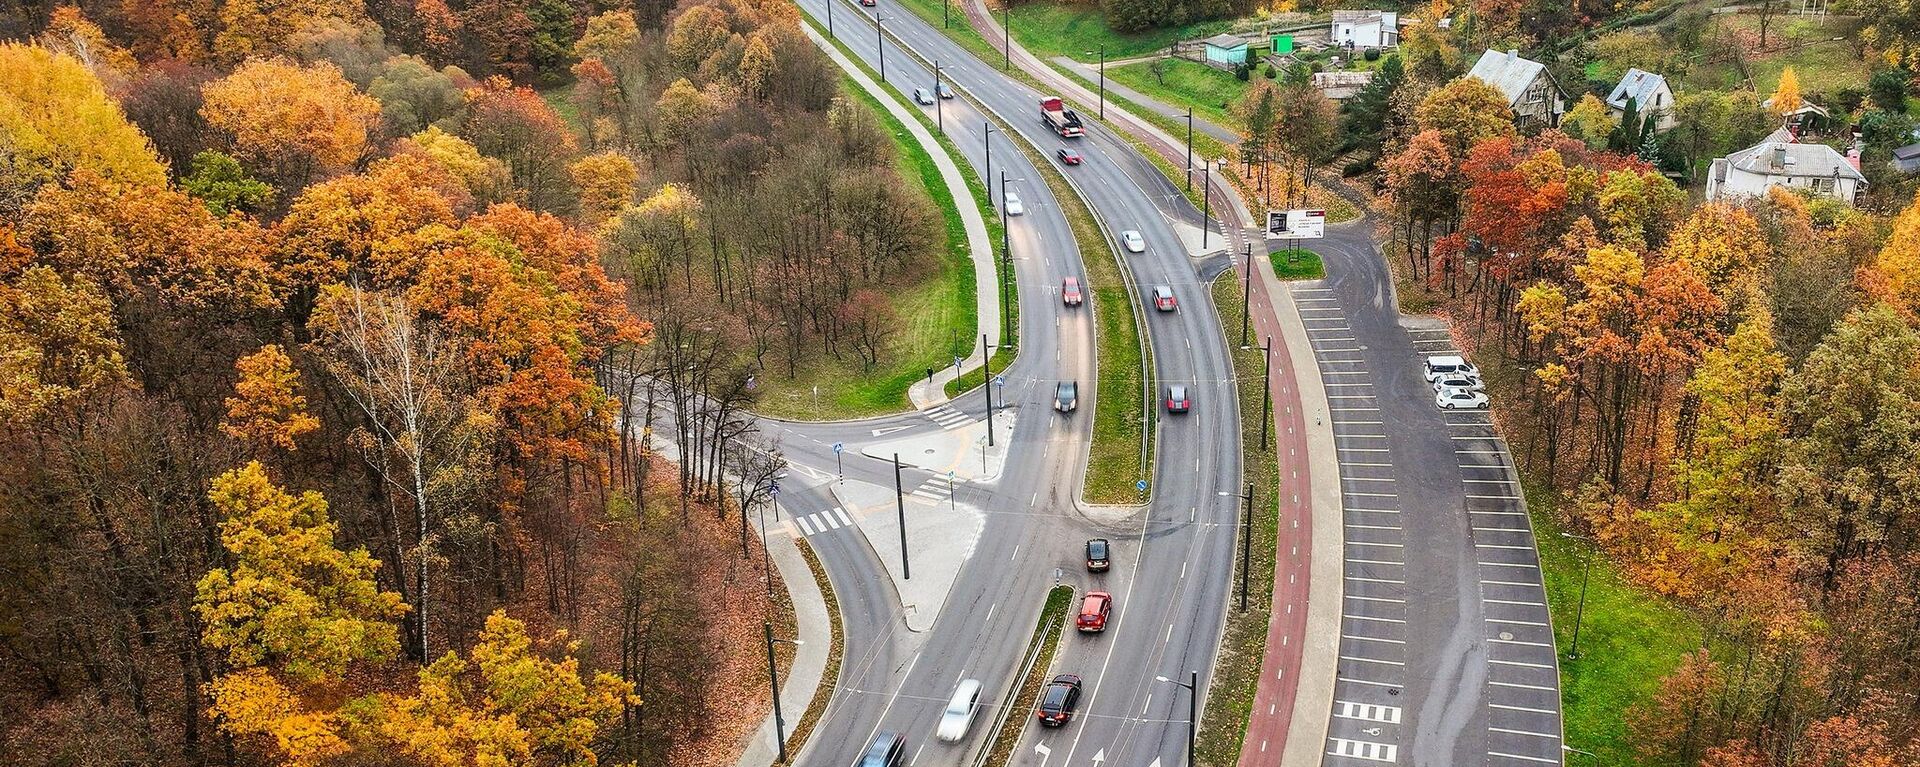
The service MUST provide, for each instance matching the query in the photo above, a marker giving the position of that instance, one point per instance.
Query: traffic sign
(774, 488)
(999, 380)
(1140, 486)
(1296, 224)
(837, 447)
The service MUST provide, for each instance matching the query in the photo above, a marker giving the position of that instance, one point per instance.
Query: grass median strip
(1243, 644)
(830, 676)
(1297, 264)
(1046, 637)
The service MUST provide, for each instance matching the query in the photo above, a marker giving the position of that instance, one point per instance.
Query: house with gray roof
(1536, 100)
(1649, 94)
(1781, 161)
(1365, 29)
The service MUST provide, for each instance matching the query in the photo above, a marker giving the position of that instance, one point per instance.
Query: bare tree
(419, 433)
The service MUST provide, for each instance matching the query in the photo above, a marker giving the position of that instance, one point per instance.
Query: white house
(1649, 93)
(1365, 29)
(1536, 99)
(1779, 161)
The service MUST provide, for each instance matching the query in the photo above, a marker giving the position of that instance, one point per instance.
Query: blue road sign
(837, 447)
(999, 380)
(1140, 486)
(775, 489)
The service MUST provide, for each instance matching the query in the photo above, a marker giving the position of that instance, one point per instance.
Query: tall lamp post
(1103, 80)
(880, 43)
(1189, 116)
(830, 22)
(1006, 253)
(1246, 545)
(1006, 28)
(939, 120)
(773, 675)
(1193, 707)
(1580, 613)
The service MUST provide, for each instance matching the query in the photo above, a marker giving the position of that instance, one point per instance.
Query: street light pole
(880, 43)
(986, 380)
(946, 14)
(900, 504)
(1266, 389)
(939, 120)
(1006, 27)
(830, 22)
(1246, 297)
(1246, 547)
(773, 676)
(1193, 707)
(1189, 142)
(1103, 82)
(1580, 613)
(1206, 201)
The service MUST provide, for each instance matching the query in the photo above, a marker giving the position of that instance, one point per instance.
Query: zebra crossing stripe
(842, 513)
(827, 522)
(805, 526)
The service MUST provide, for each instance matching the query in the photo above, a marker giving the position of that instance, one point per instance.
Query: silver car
(923, 97)
(1133, 241)
(958, 716)
(1460, 399)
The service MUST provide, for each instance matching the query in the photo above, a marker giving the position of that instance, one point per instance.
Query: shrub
(1372, 54)
(1272, 73)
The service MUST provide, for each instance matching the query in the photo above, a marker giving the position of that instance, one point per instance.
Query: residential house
(1225, 50)
(1808, 116)
(1648, 93)
(1781, 161)
(1536, 100)
(1365, 29)
(1906, 159)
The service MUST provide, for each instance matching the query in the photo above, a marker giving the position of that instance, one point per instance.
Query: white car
(1014, 208)
(923, 97)
(958, 716)
(1460, 399)
(1458, 381)
(1134, 242)
(1442, 365)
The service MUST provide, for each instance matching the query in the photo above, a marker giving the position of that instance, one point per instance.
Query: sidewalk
(1091, 73)
(804, 674)
(940, 536)
(1288, 722)
(986, 287)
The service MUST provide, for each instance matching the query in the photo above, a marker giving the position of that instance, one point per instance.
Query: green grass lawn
(1209, 91)
(937, 318)
(1077, 30)
(1824, 65)
(1236, 674)
(1297, 264)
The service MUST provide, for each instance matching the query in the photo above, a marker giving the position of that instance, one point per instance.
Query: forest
(1725, 396)
(343, 345)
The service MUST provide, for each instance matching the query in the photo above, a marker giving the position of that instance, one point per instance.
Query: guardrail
(1013, 691)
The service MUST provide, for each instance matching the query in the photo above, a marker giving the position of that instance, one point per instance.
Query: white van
(1441, 366)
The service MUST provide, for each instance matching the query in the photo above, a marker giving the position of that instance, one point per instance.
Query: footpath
(1294, 698)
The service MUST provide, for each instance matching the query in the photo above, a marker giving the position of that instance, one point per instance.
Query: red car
(1163, 298)
(869, 3)
(1177, 401)
(1094, 610)
(1068, 156)
(1070, 292)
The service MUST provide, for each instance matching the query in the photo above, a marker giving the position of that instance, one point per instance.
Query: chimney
(1779, 156)
(1513, 54)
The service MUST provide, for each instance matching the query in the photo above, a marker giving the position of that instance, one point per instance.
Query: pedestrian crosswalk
(831, 519)
(948, 417)
(1362, 749)
(937, 490)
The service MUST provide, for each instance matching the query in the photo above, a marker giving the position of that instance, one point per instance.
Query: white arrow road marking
(890, 429)
(1099, 756)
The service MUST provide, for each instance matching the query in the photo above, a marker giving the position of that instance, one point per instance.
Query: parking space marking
(1368, 681)
(1372, 618)
(1389, 600)
(1518, 686)
(1359, 579)
(1372, 639)
(1520, 664)
(1523, 708)
(1513, 622)
(1510, 564)
(1358, 659)
(1523, 758)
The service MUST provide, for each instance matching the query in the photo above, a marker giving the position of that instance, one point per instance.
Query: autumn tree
(56, 117)
(300, 122)
(484, 178)
(58, 343)
(1894, 274)
(1786, 97)
(1590, 122)
(1465, 112)
(218, 180)
(291, 599)
(414, 96)
(267, 409)
(605, 182)
(70, 32)
(514, 124)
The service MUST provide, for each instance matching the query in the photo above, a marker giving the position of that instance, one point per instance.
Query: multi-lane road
(1446, 654)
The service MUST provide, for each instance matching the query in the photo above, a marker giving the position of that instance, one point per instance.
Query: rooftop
(1775, 157)
(1225, 41)
(1507, 72)
(1638, 85)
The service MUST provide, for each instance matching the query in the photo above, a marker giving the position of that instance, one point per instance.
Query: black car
(1097, 554)
(1058, 700)
(1066, 396)
(887, 750)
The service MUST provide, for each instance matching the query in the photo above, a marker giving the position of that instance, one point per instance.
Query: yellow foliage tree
(607, 36)
(519, 709)
(58, 343)
(486, 178)
(253, 702)
(1786, 96)
(299, 121)
(1590, 121)
(605, 181)
(1465, 112)
(292, 598)
(70, 32)
(268, 409)
(55, 117)
(1894, 275)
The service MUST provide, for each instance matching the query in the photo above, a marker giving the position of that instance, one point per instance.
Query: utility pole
(1246, 547)
(1206, 201)
(1580, 613)
(1189, 140)
(986, 381)
(773, 675)
(1193, 707)
(900, 504)
(939, 120)
(946, 14)
(880, 43)
(1103, 81)
(830, 21)
(1246, 296)
(1266, 390)
(1006, 27)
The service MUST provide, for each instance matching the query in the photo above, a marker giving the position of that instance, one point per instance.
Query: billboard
(1296, 224)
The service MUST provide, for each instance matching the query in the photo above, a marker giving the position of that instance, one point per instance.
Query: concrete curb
(1320, 642)
(986, 278)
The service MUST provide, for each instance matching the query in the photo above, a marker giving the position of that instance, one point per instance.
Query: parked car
(1460, 399)
(1177, 401)
(1442, 365)
(958, 716)
(1014, 208)
(1067, 156)
(1134, 242)
(1070, 292)
(1094, 609)
(1458, 381)
(1058, 701)
(923, 97)
(945, 92)
(888, 749)
(1066, 396)
(1097, 555)
(1163, 298)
